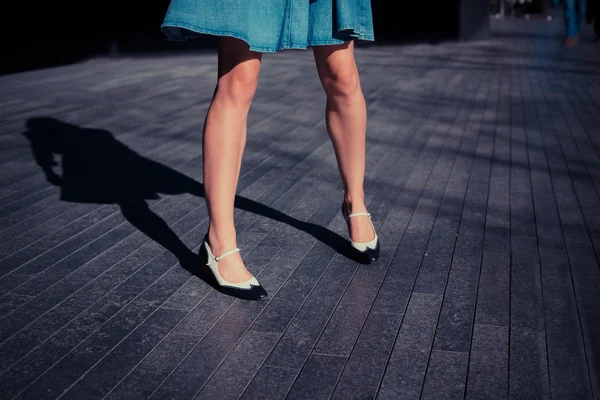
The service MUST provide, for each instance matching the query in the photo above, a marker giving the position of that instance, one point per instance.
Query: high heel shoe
(368, 252)
(248, 290)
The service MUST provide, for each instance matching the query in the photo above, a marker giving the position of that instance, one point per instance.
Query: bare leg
(223, 146)
(346, 116)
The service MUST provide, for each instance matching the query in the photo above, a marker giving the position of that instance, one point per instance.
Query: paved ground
(484, 183)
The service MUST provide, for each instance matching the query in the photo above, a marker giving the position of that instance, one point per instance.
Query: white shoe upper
(363, 246)
(213, 264)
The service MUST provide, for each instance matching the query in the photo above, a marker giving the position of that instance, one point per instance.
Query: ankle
(221, 241)
(355, 203)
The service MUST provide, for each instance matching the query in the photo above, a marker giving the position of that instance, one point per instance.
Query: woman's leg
(346, 117)
(223, 145)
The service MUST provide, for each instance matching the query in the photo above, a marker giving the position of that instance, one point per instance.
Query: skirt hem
(181, 32)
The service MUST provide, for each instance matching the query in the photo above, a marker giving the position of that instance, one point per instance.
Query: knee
(341, 82)
(239, 84)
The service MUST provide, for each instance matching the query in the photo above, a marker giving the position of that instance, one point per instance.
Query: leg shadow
(99, 169)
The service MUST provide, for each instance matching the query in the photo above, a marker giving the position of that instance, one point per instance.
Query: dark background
(45, 33)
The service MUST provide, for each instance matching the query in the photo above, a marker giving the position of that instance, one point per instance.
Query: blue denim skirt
(272, 25)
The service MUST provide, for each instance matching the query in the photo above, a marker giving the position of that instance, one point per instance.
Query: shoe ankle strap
(359, 214)
(230, 252)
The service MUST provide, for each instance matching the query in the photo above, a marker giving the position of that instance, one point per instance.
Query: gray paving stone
(446, 375)
(131, 246)
(528, 364)
(584, 268)
(45, 253)
(71, 311)
(494, 288)
(564, 342)
(34, 198)
(434, 267)
(77, 302)
(141, 382)
(36, 185)
(151, 271)
(36, 227)
(318, 377)
(437, 257)
(11, 302)
(67, 234)
(521, 205)
(405, 372)
(16, 217)
(64, 374)
(282, 309)
(188, 296)
(454, 327)
(29, 366)
(365, 367)
(197, 368)
(236, 372)
(488, 364)
(113, 243)
(100, 379)
(11, 281)
(303, 332)
(526, 291)
(270, 383)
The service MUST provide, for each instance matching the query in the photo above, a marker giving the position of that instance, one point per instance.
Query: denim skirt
(272, 25)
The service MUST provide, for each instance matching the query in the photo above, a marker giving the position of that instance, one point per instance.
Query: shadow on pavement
(99, 169)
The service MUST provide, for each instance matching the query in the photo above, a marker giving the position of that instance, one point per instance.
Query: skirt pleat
(272, 25)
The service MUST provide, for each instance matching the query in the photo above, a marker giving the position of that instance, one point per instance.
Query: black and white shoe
(248, 290)
(368, 252)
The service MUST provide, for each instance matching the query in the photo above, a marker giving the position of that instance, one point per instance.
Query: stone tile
(282, 308)
(198, 367)
(56, 246)
(529, 377)
(526, 291)
(365, 368)
(97, 345)
(317, 378)
(564, 340)
(238, 369)
(115, 241)
(494, 288)
(144, 379)
(405, 372)
(458, 308)
(301, 336)
(99, 380)
(270, 383)
(30, 362)
(488, 364)
(11, 302)
(446, 375)
(38, 226)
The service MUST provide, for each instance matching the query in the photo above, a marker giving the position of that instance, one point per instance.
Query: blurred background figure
(593, 17)
(574, 14)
